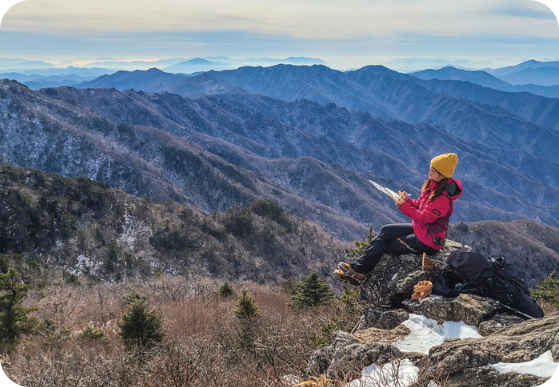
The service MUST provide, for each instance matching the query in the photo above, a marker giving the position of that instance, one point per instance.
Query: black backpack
(494, 278)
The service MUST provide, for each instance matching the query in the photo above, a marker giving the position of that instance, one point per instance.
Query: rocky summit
(384, 328)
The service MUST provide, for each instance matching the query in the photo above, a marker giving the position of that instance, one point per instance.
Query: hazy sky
(353, 33)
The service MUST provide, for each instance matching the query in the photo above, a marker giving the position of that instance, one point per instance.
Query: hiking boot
(349, 272)
(422, 290)
(340, 276)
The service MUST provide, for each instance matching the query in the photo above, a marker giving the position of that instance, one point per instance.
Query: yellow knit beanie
(445, 164)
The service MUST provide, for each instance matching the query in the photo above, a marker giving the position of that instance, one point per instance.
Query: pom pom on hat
(445, 164)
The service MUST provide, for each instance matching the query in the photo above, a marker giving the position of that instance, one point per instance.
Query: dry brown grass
(205, 345)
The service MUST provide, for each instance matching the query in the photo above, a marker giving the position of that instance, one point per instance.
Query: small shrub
(246, 307)
(41, 284)
(247, 311)
(70, 278)
(90, 333)
(14, 319)
(312, 291)
(226, 290)
(140, 326)
(547, 290)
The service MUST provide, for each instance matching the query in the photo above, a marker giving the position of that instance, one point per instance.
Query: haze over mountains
(533, 76)
(307, 137)
(485, 79)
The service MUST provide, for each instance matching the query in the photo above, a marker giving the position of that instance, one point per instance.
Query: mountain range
(88, 228)
(531, 76)
(229, 149)
(534, 64)
(485, 79)
(382, 93)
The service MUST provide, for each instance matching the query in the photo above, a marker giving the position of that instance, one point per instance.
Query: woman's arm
(430, 212)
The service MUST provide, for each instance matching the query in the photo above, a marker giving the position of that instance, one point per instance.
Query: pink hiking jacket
(436, 214)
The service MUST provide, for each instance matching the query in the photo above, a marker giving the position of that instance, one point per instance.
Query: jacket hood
(453, 188)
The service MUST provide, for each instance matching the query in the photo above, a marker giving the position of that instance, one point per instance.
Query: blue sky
(349, 34)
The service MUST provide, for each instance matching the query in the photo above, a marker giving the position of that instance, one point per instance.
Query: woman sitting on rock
(430, 215)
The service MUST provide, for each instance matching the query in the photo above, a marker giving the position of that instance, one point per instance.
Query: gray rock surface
(384, 318)
(462, 361)
(392, 280)
(348, 354)
(454, 363)
(497, 322)
(469, 308)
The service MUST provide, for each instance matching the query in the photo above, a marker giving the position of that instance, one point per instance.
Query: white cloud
(326, 19)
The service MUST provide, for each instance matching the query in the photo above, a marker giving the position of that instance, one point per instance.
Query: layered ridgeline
(86, 227)
(231, 149)
(483, 78)
(451, 105)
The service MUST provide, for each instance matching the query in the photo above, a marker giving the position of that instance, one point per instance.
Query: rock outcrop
(456, 362)
(465, 361)
(347, 354)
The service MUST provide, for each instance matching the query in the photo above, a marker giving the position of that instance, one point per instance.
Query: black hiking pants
(396, 239)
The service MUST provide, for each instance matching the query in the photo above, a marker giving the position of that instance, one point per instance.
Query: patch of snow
(542, 366)
(425, 333)
(394, 374)
(394, 277)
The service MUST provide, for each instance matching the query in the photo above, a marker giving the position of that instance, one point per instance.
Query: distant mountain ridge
(450, 73)
(229, 150)
(485, 79)
(529, 72)
(390, 95)
(521, 66)
(545, 76)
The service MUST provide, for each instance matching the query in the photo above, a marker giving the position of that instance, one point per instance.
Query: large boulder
(383, 318)
(464, 361)
(348, 354)
(392, 280)
(469, 308)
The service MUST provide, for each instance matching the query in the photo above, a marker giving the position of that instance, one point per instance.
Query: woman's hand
(403, 195)
(398, 200)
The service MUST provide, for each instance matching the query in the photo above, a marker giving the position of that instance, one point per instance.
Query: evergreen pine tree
(14, 319)
(226, 290)
(141, 326)
(312, 291)
(246, 308)
(547, 290)
(247, 312)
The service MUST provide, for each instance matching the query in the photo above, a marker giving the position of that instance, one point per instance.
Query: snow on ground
(542, 366)
(394, 374)
(426, 333)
